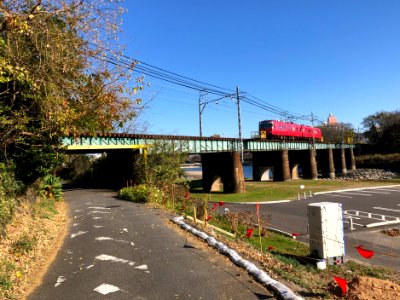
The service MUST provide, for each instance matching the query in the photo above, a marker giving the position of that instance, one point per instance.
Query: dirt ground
(367, 288)
(48, 233)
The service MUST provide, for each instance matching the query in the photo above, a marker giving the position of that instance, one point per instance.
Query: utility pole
(312, 125)
(201, 108)
(240, 123)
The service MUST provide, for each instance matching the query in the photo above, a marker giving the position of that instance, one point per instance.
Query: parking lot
(366, 212)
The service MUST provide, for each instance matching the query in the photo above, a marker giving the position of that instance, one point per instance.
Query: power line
(138, 66)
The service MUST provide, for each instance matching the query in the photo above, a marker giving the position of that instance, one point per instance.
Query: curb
(251, 268)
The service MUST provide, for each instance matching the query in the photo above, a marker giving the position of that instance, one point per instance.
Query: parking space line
(378, 192)
(340, 196)
(357, 194)
(387, 209)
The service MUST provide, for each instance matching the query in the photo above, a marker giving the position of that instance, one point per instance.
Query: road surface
(122, 250)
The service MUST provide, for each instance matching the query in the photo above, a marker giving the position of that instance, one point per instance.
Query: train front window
(267, 125)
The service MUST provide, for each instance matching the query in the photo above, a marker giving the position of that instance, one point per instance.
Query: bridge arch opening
(297, 171)
(266, 173)
(217, 184)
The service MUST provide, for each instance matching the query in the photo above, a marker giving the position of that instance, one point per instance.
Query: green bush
(51, 188)
(140, 193)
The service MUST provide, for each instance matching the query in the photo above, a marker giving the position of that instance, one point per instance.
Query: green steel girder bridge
(189, 144)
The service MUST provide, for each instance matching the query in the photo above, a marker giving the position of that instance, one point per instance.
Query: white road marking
(89, 267)
(357, 194)
(340, 196)
(354, 223)
(106, 288)
(98, 212)
(387, 209)
(351, 217)
(60, 280)
(105, 257)
(75, 224)
(388, 190)
(98, 226)
(142, 267)
(378, 192)
(132, 244)
(368, 215)
(77, 234)
(96, 218)
(103, 238)
(125, 229)
(97, 207)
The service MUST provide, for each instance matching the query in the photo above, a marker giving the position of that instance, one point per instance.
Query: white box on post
(325, 222)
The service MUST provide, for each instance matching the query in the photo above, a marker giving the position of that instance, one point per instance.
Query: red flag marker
(364, 252)
(295, 234)
(270, 248)
(215, 206)
(208, 218)
(220, 203)
(342, 283)
(249, 232)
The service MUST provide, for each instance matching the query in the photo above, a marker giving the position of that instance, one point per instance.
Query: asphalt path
(122, 250)
(371, 211)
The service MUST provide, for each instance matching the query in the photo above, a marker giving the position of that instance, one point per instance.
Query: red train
(273, 129)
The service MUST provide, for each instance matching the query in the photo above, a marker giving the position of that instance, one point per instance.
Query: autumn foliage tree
(54, 80)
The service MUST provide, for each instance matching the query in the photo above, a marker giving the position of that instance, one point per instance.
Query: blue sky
(340, 57)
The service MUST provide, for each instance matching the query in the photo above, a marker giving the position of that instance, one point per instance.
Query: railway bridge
(221, 157)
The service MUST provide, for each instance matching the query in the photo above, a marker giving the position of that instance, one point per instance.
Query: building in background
(332, 119)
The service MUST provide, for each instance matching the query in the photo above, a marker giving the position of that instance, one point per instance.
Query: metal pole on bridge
(240, 124)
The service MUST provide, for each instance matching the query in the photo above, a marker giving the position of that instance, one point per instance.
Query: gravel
(367, 174)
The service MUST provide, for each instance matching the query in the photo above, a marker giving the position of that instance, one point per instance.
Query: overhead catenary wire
(140, 67)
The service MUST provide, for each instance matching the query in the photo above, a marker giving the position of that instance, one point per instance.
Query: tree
(54, 80)
(337, 133)
(382, 130)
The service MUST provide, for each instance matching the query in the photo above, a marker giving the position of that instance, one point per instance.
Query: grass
(270, 191)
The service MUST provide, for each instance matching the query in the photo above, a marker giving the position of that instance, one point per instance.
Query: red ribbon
(249, 232)
(342, 283)
(294, 234)
(364, 252)
(220, 203)
(270, 248)
(208, 218)
(215, 206)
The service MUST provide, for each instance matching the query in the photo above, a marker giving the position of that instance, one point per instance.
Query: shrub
(140, 193)
(51, 188)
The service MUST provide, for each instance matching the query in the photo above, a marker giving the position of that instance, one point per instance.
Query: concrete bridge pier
(275, 162)
(343, 160)
(352, 160)
(313, 164)
(222, 171)
(326, 163)
(339, 156)
(285, 165)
